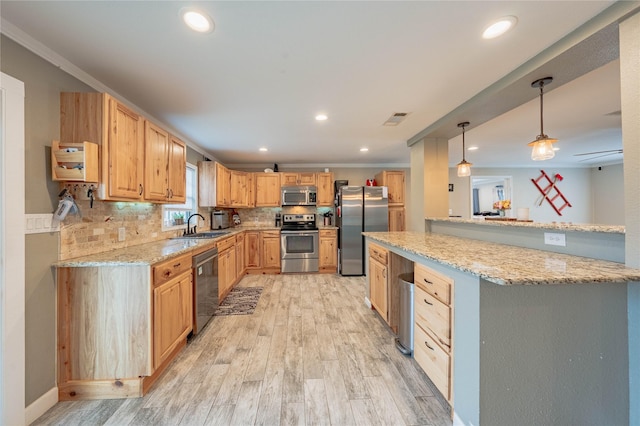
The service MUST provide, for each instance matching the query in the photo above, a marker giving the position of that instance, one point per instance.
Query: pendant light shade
(464, 167)
(542, 148)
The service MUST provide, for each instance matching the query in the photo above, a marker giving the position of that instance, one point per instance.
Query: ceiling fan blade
(609, 151)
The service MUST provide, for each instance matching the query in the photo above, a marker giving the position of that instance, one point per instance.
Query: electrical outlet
(121, 234)
(554, 239)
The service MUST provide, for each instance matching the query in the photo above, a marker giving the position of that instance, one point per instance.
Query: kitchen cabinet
(270, 250)
(325, 189)
(267, 189)
(99, 118)
(328, 241)
(395, 181)
(396, 219)
(378, 282)
(240, 263)
(227, 272)
(239, 188)
(214, 184)
(165, 158)
(384, 269)
(433, 328)
(252, 250)
(289, 178)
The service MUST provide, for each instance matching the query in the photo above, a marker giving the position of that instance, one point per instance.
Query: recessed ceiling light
(472, 148)
(263, 149)
(364, 149)
(555, 148)
(197, 20)
(321, 117)
(499, 27)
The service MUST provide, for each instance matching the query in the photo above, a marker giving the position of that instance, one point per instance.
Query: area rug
(240, 301)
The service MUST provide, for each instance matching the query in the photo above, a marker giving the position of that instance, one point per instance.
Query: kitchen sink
(201, 235)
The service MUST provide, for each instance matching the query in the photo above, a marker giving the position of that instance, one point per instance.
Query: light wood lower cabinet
(271, 251)
(241, 267)
(433, 328)
(227, 273)
(172, 316)
(384, 269)
(328, 261)
(262, 252)
(120, 326)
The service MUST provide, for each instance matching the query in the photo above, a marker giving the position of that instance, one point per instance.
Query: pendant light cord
(463, 159)
(541, 112)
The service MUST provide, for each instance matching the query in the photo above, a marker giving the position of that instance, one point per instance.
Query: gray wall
(43, 84)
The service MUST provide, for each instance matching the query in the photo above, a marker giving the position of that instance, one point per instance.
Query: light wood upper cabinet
(395, 181)
(324, 182)
(328, 242)
(133, 154)
(177, 170)
(267, 189)
(156, 167)
(239, 188)
(292, 179)
(214, 184)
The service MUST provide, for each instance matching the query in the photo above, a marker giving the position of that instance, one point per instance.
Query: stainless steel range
(299, 245)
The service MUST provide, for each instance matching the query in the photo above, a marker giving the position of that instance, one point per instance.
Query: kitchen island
(536, 337)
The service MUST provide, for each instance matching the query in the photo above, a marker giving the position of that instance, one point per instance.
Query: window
(174, 216)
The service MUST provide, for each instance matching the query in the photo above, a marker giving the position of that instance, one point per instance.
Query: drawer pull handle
(177, 265)
(427, 302)
(167, 273)
(427, 345)
(427, 281)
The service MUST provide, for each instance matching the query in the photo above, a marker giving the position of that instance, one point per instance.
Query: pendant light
(464, 167)
(542, 146)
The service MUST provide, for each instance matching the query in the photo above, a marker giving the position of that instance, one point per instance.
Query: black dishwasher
(205, 288)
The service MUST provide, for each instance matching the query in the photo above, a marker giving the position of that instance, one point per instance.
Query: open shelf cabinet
(76, 162)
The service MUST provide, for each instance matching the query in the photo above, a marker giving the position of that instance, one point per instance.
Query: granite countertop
(561, 226)
(506, 265)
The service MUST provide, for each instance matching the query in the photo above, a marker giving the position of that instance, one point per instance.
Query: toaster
(220, 219)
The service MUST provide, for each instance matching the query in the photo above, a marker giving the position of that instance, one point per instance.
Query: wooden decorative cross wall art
(551, 192)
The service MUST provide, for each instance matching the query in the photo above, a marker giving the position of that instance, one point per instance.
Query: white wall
(576, 186)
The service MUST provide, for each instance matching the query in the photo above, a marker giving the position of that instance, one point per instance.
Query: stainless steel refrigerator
(359, 209)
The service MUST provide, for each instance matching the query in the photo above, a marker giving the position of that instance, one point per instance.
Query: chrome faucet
(189, 230)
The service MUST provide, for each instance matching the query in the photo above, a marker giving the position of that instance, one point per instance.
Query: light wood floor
(311, 354)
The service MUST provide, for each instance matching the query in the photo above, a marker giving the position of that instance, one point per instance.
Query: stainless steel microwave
(299, 195)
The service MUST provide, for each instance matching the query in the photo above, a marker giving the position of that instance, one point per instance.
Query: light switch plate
(121, 234)
(554, 239)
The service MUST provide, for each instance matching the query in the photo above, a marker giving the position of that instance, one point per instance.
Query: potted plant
(178, 218)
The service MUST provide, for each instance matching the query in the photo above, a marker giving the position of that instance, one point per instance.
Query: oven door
(299, 251)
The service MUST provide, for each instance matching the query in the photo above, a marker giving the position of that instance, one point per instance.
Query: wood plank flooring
(311, 354)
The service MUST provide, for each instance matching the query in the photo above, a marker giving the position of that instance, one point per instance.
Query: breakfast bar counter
(530, 336)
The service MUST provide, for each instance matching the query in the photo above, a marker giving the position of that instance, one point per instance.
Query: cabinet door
(238, 189)
(252, 249)
(328, 250)
(231, 271)
(156, 168)
(395, 182)
(267, 189)
(325, 189)
(240, 263)
(223, 273)
(378, 286)
(270, 251)
(177, 170)
(172, 315)
(289, 178)
(396, 219)
(125, 152)
(306, 179)
(223, 186)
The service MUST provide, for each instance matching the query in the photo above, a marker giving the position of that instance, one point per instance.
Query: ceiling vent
(396, 119)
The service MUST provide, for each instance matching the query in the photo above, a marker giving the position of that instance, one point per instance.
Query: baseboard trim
(40, 406)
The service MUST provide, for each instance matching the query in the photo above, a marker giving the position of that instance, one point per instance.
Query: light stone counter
(557, 226)
(504, 264)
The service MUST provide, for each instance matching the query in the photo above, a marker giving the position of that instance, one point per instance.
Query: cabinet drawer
(328, 233)
(270, 234)
(433, 315)
(378, 253)
(226, 243)
(240, 238)
(433, 360)
(163, 272)
(434, 283)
